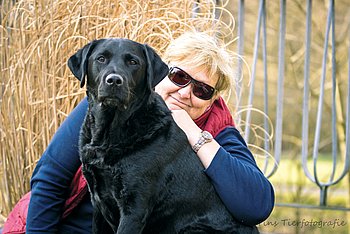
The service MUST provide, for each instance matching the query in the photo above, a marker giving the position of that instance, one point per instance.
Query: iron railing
(329, 41)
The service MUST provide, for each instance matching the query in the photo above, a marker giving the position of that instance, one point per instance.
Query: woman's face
(182, 98)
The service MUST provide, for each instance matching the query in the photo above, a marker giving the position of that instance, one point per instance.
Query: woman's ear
(216, 95)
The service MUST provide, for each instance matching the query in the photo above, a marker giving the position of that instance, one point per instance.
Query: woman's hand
(184, 121)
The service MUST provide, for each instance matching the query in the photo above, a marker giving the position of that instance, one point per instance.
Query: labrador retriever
(142, 174)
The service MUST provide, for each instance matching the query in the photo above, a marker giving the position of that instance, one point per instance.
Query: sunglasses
(180, 78)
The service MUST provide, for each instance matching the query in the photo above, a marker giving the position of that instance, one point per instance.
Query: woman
(200, 71)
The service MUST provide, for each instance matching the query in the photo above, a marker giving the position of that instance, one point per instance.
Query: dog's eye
(133, 62)
(101, 59)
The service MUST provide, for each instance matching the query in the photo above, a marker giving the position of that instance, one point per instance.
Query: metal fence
(310, 147)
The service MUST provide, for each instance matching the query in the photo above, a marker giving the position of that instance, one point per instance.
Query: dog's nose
(114, 79)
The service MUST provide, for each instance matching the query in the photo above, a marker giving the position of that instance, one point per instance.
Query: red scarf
(214, 120)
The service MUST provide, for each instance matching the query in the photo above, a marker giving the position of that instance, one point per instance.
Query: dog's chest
(104, 181)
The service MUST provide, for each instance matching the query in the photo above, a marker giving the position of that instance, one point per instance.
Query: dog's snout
(114, 79)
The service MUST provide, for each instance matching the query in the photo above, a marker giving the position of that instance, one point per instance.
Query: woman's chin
(172, 106)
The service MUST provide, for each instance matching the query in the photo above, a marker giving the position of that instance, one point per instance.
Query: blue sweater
(243, 188)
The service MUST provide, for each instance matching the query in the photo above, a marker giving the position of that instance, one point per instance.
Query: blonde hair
(202, 51)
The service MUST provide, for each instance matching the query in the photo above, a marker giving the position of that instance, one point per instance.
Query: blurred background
(290, 99)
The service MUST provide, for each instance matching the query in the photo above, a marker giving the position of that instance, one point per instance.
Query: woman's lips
(178, 101)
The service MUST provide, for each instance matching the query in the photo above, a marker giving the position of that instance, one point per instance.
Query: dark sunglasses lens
(179, 77)
(203, 91)
(200, 89)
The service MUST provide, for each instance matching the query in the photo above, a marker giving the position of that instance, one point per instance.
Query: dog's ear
(156, 68)
(78, 63)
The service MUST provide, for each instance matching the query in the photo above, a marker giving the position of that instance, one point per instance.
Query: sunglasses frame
(196, 83)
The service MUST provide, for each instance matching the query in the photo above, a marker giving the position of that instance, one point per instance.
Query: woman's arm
(230, 165)
(243, 188)
(53, 174)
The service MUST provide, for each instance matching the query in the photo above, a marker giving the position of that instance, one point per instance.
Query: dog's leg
(99, 224)
(134, 220)
(130, 225)
(97, 221)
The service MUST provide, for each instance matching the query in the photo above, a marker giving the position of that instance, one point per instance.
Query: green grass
(292, 185)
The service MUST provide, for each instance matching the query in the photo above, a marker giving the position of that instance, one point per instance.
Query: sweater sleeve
(242, 187)
(53, 175)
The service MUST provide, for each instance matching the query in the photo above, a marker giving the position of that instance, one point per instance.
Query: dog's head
(118, 71)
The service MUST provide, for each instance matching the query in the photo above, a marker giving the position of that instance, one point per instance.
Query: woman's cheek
(160, 89)
(165, 87)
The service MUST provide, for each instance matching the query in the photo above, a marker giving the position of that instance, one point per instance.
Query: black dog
(142, 174)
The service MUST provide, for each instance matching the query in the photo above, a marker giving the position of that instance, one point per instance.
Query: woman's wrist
(207, 153)
(204, 138)
(194, 135)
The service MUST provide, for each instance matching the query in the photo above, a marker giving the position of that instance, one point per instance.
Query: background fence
(307, 48)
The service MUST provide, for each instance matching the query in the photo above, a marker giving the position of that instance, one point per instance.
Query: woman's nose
(185, 92)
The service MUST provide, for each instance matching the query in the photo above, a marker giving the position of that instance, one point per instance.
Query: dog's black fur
(142, 173)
